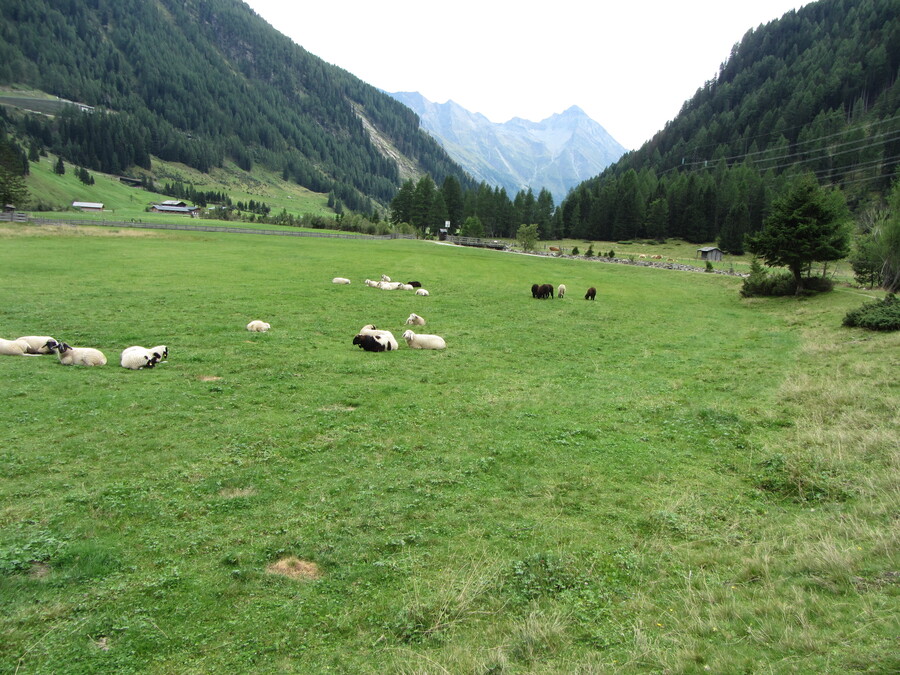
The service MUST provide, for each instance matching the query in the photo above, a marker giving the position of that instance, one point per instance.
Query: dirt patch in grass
(39, 570)
(234, 493)
(337, 407)
(101, 643)
(294, 568)
(209, 378)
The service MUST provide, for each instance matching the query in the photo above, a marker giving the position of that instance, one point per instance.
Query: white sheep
(373, 284)
(39, 344)
(13, 347)
(385, 277)
(389, 285)
(257, 326)
(384, 336)
(137, 357)
(415, 320)
(340, 280)
(421, 291)
(561, 291)
(423, 341)
(406, 287)
(79, 356)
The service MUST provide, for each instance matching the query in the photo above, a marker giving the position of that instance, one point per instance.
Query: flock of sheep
(544, 291)
(370, 338)
(133, 358)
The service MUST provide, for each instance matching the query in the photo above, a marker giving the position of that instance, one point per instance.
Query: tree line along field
(670, 478)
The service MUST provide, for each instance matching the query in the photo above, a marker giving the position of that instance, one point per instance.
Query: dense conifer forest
(814, 91)
(202, 81)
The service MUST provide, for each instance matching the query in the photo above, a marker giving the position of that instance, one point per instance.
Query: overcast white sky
(629, 64)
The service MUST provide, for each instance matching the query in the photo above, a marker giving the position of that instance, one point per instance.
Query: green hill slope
(203, 82)
(815, 91)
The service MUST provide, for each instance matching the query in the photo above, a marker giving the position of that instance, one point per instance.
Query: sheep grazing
(414, 284)
(421, 291)
(340, 280)
(415, 320)
(258, 326)
(542, 292)
(137, 357)
(423, 341)
(13, 347)
(591, 293)
(79, 356)
(38, 344)
(561, 291)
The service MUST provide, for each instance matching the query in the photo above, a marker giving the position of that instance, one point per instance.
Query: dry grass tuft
(234, 493)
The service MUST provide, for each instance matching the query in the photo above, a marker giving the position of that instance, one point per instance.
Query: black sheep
(591, 293)
(369, 343)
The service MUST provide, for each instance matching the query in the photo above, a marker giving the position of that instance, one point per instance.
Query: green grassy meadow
(668, 479)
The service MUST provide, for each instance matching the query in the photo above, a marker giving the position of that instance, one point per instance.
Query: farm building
(88, 206)
(709, 253)
(167, 208)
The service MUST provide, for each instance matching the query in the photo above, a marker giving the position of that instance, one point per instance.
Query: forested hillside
(814, 91)
(202, 81)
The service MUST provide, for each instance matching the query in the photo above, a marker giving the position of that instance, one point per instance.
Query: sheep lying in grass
(161, 351)
(373, 284)
(13, 347)
(137, 357)
(79, 356)
(382, 341)
(421, 291)
(257, 326)
(385, 277)
(423, 341)
(415, 320)
(384, 336)
(38, 344)
(340, 280)
(414, 284)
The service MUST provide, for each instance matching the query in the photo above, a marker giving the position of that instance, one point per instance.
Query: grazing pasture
(670, 478)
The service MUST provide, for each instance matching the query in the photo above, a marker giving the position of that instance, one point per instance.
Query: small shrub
(709, 266)
(575, 251)
(761, 283)
(611, 254)
(590, 252)
(878, 315)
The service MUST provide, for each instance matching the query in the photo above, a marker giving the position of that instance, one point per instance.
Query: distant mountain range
(557, 153)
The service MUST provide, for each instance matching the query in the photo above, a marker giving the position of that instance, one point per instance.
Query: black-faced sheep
(369, 342)
(423, 341)
(79, 356)
(591, 293)
(137, 357)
